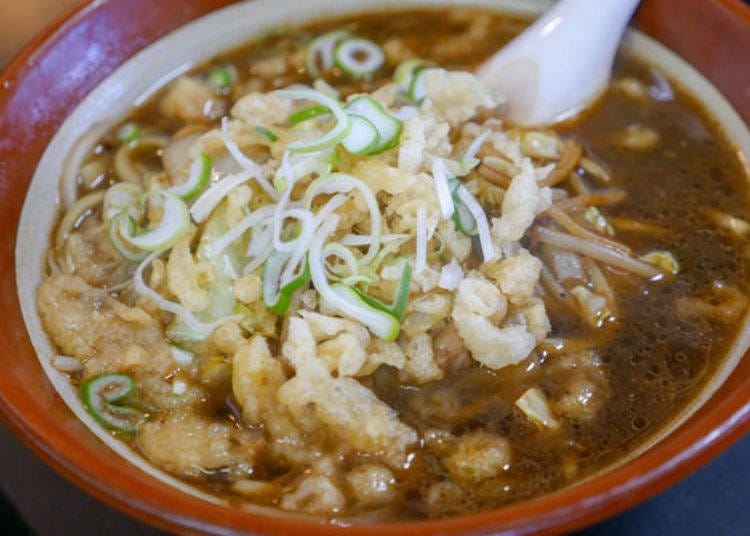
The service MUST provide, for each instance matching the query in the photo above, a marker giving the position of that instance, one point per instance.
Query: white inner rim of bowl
(149, 70)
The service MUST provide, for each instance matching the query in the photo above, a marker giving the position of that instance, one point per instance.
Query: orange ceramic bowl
(44, 84)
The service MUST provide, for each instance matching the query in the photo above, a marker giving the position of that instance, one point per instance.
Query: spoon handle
(561, 62)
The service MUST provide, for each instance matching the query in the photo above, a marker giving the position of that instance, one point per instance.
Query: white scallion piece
(300, 244)
(336, 249)
(197, 180)
(362, 138)
(440, 175)
(234, 149)
(288, 179)
(342, 298)
(485, 239)
(364, 240)
(174, 223)
(225, 240)
(322, 47)
(259, 248)
(202, 207)
(329, 208)
(343, 183)
(199, 328)
(358, 57)
(468, 160)
(405, 112)
(388, 127)
(256, 172)
(332, 137)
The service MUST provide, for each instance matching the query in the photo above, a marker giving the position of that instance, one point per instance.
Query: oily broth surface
(655, 363)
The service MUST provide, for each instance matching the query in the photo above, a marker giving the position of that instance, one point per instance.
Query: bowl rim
(600, 497)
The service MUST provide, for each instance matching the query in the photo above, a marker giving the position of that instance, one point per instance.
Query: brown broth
(655, 362)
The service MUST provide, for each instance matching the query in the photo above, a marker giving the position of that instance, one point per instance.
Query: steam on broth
(373, 297)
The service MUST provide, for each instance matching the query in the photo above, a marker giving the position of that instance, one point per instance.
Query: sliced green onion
(420, 255)
(465, 202)
(348, 301)
(351, 263)
(334, 136)
(358, 57)
(404, 73)
(465, 221)
(200, 173)
(278, 299)
(202, 207)
(223, 77)
(308, 113)
(343, 298)
(343, 183)
(120, 197)
(417, 91)
(440, 174)
(363, 138)
(263, 131)
(468, 161)
(120, 226)
(129, 132)
(174, 223)
(322, 46)
(388, 127)
(100, 396)
(247, 163)
(401, 300)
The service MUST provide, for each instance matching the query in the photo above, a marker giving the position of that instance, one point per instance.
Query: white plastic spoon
(560, 63)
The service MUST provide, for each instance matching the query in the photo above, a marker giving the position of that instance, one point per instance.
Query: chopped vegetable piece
(200, 173)
(174, 223)
(442, 187)
(465, 221)
(120, 226)
(223, 77)
(400, 301)
(417, 92)
(277, 300)
(263, 131)
(129, 133)
(404, 73)
(363, 137)
(349, 302)
(308, 113)
(343, 298)
(359, 58)
(389, 128)
(100, 396)
(334, 136)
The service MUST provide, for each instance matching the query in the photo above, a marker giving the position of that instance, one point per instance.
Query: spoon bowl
(561, 63)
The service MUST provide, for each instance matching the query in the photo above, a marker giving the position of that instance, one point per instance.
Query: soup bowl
(47, 88)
